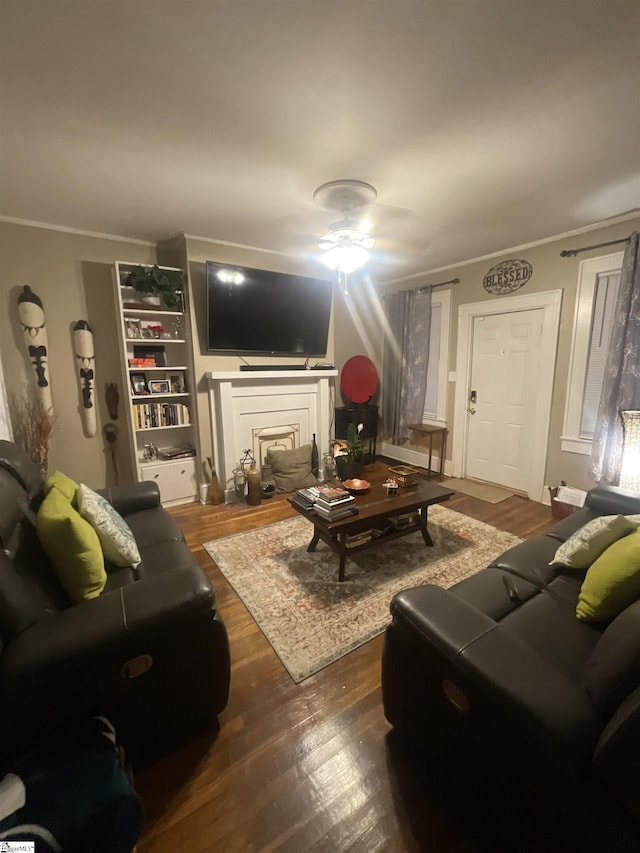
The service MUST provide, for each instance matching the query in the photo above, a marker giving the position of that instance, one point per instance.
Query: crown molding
(236, 245)
(14, 220)
(566, 235)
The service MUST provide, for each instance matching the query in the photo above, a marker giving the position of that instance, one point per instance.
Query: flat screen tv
(263, 312)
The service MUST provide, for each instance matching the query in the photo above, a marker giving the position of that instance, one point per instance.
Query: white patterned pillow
(590, 541)
(116, 538)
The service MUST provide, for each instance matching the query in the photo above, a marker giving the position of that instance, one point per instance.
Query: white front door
(501, 401)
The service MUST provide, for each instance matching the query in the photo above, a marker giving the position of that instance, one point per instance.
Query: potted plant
(349, 462)
(165, 284)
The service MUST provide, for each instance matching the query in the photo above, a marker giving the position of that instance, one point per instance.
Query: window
(435, 404)
(598, 281)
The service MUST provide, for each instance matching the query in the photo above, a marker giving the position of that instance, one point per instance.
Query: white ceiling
(484, 124)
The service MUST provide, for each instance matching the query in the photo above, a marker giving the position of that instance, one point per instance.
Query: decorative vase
(216, 492)
(267, 483)
(43, 468)
(254, 486)
(240, 482)
(328, 466)
(348, 470)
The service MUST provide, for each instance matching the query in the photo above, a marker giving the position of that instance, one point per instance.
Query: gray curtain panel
(405, 360)
(621, 386)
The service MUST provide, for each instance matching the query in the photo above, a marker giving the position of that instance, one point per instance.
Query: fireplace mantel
(241, 401)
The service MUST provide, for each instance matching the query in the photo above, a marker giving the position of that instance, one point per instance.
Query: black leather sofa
(499, 668)
(151, 652)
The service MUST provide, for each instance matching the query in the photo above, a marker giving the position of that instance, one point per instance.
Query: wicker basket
(558, 508)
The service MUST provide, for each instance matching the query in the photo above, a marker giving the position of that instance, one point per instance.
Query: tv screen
(260, 311)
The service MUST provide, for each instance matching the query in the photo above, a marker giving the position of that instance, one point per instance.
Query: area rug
(310, 618)
(482, 491)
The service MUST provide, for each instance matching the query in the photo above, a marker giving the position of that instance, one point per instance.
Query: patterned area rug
(310, 618)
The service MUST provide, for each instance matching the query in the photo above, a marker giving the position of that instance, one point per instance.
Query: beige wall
(72, 276)
(195, 253)
(550, 272)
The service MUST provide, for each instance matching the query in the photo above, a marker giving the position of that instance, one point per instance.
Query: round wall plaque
(507, 276)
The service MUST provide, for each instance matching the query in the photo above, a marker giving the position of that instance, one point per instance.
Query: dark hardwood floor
(308, 766)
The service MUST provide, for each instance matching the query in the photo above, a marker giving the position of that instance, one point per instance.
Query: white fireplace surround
(243, 402)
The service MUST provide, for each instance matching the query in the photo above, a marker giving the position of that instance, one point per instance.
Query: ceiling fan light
(345, 258)
(345, 245)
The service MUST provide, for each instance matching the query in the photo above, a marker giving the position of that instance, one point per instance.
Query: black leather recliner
(151, 652)
(500, 662)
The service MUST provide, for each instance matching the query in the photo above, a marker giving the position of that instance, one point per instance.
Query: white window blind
(604, 300)
(598, 281)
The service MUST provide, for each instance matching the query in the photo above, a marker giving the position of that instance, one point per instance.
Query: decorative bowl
(356, 486)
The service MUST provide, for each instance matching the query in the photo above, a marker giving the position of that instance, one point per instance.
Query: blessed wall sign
(507, 276)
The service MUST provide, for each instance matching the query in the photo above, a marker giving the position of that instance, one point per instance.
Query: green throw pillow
(63, 484)
(591, 540)
(613, 581)
(73, 547)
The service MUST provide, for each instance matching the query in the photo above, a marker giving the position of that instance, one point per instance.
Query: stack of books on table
(359, 538)
(406, 519)
(329, 502)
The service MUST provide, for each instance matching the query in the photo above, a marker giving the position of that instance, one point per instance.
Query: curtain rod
(439, 284)
(569, 253)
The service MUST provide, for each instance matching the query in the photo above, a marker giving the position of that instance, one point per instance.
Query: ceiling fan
(345, 245)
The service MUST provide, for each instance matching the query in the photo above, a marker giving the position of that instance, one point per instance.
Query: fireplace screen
(284, 437)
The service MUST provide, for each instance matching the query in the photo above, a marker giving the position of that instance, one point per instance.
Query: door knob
(471, 410)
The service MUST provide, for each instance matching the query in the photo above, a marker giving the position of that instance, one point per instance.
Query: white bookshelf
(159, 397)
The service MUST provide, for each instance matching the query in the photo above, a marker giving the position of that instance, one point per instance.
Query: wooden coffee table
(374, 509)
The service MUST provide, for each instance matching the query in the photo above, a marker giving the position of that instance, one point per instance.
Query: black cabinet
(364, 414)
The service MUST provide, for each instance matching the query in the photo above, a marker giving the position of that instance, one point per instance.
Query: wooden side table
(429, 430)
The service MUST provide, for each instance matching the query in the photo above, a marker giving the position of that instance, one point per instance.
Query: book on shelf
(176, 452)
(154, 415)
(142, 362)
(156, 354)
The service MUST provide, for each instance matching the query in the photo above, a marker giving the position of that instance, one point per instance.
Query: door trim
(550, 301)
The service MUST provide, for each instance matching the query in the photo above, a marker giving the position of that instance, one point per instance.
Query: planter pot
(348, 470)
(149, 299)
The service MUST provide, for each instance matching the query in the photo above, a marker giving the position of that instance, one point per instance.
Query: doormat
(308, 617)
(482, 491)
